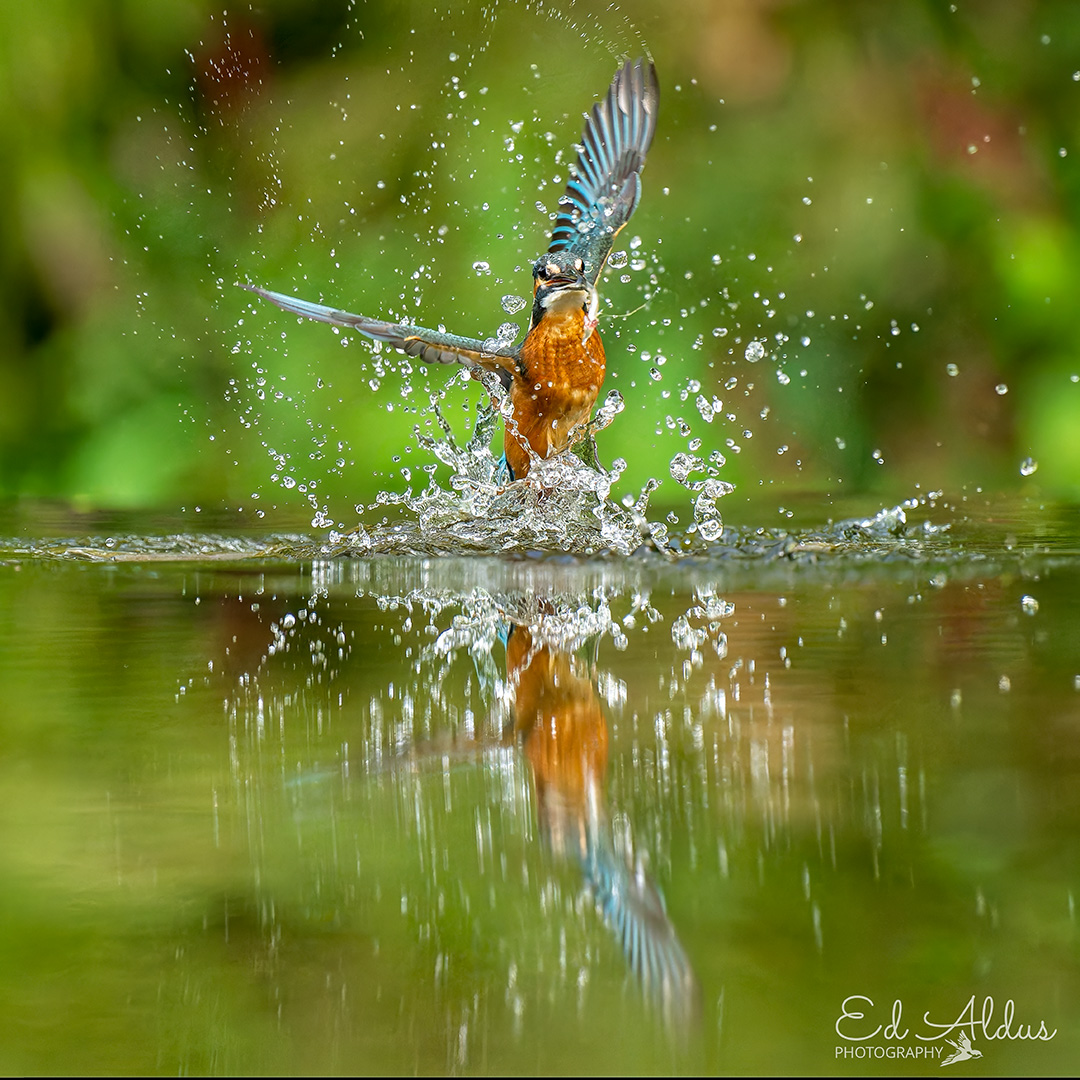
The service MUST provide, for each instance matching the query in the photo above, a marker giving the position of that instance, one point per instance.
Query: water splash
(563, 504)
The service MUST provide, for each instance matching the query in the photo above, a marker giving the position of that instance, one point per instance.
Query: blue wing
(632, 907)
(603, 194)
(431, 346)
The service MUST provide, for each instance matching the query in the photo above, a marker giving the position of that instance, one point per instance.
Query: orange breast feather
(555, 389)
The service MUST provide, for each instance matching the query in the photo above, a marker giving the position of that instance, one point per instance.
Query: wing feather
(605, 189)
(431, 346)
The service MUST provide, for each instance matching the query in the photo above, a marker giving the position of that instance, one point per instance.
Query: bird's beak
(577, 282)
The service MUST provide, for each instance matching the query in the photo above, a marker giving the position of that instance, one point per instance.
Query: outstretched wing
(602, 195)
(431, 346)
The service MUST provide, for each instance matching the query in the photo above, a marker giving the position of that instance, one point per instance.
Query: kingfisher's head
(559, 284)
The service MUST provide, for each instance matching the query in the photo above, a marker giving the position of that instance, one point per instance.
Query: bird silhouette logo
(964, 1050)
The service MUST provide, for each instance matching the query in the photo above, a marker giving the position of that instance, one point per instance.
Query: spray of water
(711, 353)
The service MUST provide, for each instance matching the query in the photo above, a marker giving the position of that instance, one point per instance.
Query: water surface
(272, 809)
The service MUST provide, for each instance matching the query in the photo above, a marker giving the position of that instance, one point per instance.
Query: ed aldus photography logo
(866, 1035)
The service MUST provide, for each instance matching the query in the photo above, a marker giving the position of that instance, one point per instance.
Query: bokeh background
(859, 231)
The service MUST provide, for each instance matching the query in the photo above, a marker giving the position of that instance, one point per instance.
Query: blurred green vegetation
(895, 183)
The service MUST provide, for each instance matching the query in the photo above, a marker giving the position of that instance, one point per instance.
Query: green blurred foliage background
(884, 195)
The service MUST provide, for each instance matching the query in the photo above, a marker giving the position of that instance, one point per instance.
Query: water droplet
(682, 465)
(754, 351)
(1028, 466)
(952, 370)
(512, 304)
(1001, 389)
(1029, 605)
(482, 267)
(618, 259)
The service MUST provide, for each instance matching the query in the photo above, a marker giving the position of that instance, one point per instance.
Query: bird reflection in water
(559, 721)
(560, 725)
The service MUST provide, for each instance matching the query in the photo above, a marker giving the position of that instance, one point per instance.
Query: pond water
(272, 809)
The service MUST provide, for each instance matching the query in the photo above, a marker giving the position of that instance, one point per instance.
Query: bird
(560, 723)
(553, 377)
(964, 1050)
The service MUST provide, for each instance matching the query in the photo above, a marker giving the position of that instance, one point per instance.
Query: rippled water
(296, 804)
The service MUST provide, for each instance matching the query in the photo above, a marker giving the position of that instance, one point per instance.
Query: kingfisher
(559, 720)
(554, 376)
